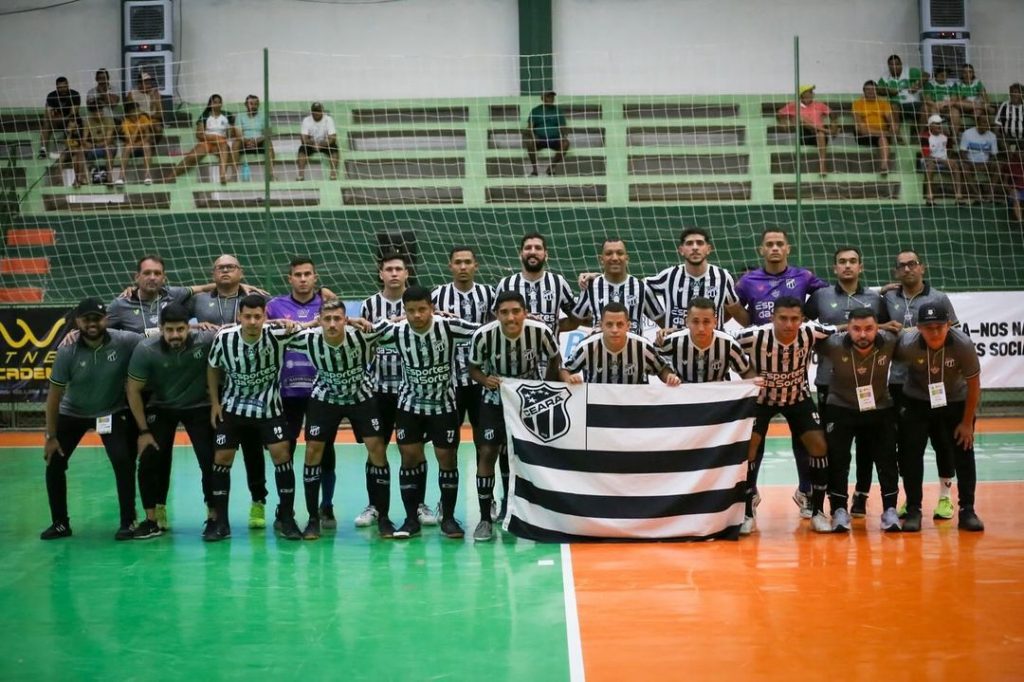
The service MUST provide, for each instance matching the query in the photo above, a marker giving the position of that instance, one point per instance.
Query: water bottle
(246, 172)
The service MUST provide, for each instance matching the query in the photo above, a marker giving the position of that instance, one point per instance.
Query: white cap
(935, 118)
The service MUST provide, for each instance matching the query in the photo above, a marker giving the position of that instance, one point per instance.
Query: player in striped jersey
(615, 356)
(249, 356)
(341, 388)
(546, 294)
(701, 352)
(465, 299)
(386, 369)
(679, 284)
(616, 284)
(512, 346)
(779, 352)
(426, 405)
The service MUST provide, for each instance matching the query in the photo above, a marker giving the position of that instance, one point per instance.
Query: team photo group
(239, 369)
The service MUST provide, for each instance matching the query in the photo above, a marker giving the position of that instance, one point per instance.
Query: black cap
(316, 106)
(933, 313)
(91, 306)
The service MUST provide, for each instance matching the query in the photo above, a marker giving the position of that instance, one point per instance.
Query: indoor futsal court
(780, 603)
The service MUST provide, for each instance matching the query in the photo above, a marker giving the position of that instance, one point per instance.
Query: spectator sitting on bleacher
(1013, 176)
(545, 129)
(61, 108)
(939, 98)
(971, 93)
(319, 136)
(214, 131)
(150, 102)
(99, 142)
(873, 122)
(1010, 119)
(137, 139)
(981, 146)
(904, 93)
(816, 123)
(935, 153)
(102, 96)
(72, 155)
(255, 138)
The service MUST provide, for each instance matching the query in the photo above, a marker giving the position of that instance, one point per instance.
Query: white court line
(572, 619)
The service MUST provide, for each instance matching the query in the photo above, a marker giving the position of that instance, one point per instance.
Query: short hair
(461, 247)
(703, 303)
(939, 69)
(867, 83)
(152, 257)
(416, 293)
(862, 314)
(1016, 87)
(835, 256)
(892, 57)
(328, 304)
(61, 79)
(788, 302)
(392, 255)
(130, 107)
(252, 301)
(249, 97)
(174, 312)
(913, 251)
(694, 230)
(768, 230)
(506, 296)
(612, 240)
(533, 235)
(300, 260)
(615, 307)
(100, 72)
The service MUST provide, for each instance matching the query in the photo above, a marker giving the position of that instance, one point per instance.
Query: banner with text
(28, 341)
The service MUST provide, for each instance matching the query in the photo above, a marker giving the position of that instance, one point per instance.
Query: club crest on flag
(543, 411)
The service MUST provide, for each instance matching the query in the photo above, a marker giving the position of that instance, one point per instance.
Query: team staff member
(615, 356)
(87, 392)
(859, 407)
(172, 368)
(248, 357)
(512, 346)
(701, 352)
(940, 401)
(138, 308)
(216, 309)
(832, 305)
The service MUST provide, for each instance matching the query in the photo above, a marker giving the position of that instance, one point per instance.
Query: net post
(266, 268)
(797, 238)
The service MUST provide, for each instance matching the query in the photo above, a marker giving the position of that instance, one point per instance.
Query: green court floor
(348, 607)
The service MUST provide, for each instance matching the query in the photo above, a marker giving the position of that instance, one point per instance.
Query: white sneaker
(840, 521)
(495, 510)
(748, 526)
(891, 520)
(119, 181)
(148, 181)
(426, 516)
(367, 517)
(801, 500)
(820, 523)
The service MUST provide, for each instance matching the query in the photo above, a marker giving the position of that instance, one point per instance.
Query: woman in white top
(214, 131)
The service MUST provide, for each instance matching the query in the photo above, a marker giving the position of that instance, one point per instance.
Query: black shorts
(490, 429)
(258, 148)
(308, 150)
(868, 140)
(231, 431)
(801, 417)
(552, 143)
(323, 420)
(467, 401)
(809, 136)
(909, 111)
(386, 406)
(440, 429)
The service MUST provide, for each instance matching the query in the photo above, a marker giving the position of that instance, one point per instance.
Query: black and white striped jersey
(473, 306)
(640, 300)
(518, 358)
(697, 365)
(428, 361)
(783, 366)
(252, 371)
(676, 288)
(341, 377)
(545, 298)
(386, 369)
(631, 365)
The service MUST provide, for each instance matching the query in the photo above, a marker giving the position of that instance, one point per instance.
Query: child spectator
(935, 153)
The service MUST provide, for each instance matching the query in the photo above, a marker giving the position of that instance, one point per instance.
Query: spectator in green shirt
(545, 129)
(971, 94)
(940, 99)
(904, 93)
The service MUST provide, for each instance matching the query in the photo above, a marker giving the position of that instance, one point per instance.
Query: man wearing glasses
(903, 305)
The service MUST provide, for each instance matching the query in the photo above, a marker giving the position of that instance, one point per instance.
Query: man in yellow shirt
(874, 122)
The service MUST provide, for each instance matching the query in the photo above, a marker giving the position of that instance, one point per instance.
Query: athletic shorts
(386, 406)
(801, 417)
(309, 150)
(323, 420)
(467, 401)
(809, 136)
(231, 431)
(552, 143)
(868, 140)
(490, 429)
(440, 429)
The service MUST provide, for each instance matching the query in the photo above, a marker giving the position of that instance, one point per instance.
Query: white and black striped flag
(611, 462)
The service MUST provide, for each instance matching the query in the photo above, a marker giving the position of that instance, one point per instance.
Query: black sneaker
(42, 157)
(125, 532)
(912, 521)
(216, 531)
(409, 529)
(385, 529)
(60, 529)
(969, 521)
(287, 528)
(312, 531)
(327, 519)
(451, 528)
(859, 508)
(147, 529)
